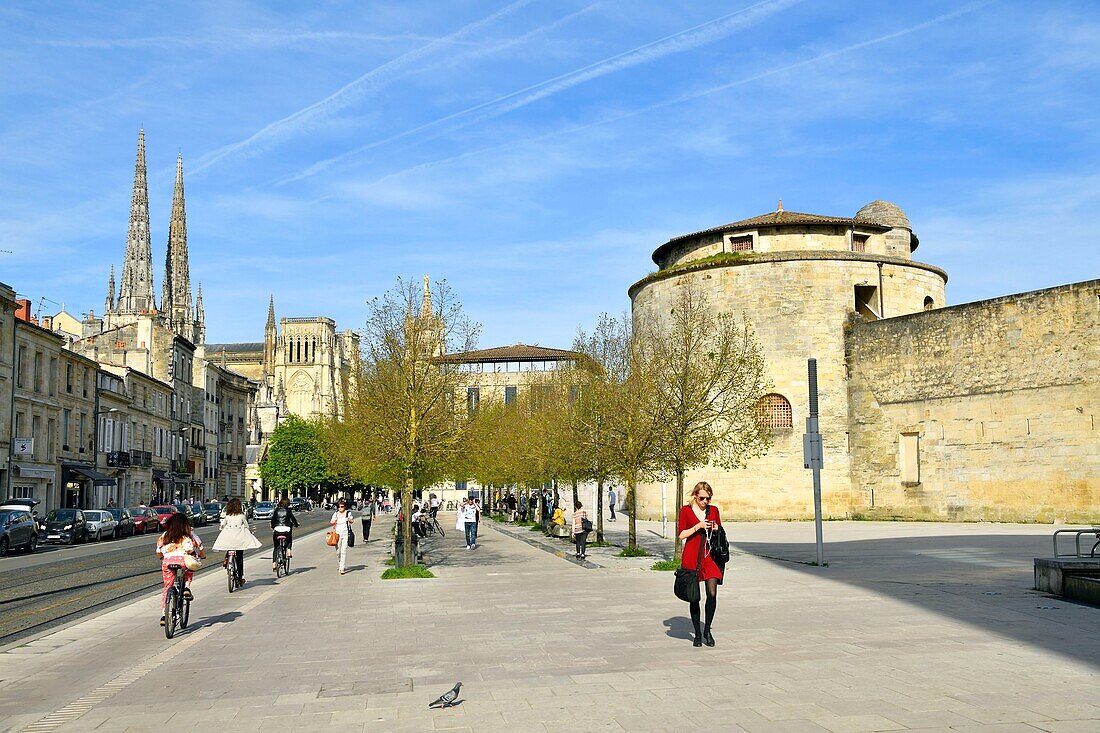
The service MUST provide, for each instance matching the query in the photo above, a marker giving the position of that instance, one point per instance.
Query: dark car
(126, 526)
(300, 504)
(188, 511)
(199, 512)
(17, 529)
(164, 511)
(27, 505)
(145, 519)
(66, 525)
(213, 511)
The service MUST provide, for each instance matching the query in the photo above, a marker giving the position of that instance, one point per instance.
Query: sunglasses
(703, 498)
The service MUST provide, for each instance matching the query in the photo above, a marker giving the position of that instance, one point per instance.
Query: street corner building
(980, 411)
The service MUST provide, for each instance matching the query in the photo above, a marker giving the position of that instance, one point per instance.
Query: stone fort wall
(982, 411)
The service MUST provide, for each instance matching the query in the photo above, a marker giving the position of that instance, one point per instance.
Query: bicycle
(177, 608)
(435, 526)
(279, 555)
(232, 576)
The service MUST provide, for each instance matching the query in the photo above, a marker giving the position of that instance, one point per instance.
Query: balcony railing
(118, 459)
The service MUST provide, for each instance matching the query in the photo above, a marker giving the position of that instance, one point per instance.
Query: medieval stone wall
(983, 411)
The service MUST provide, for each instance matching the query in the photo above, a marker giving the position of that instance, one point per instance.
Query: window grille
(859, 242)
(741, 244)
(773, 411)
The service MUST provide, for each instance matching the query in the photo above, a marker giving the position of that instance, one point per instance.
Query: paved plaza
(914, 626)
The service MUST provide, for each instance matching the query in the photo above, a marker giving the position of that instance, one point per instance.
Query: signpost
(813, 455)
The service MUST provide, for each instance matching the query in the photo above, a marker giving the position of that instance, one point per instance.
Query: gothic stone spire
(175, 299)
(109, 306)
(136, 291)
(271, 336)
(200, 318)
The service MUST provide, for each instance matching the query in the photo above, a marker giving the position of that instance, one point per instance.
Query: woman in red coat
(696, 521)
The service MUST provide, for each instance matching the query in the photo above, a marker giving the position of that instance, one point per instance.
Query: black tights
(711, 605)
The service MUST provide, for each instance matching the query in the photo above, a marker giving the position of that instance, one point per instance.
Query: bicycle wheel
(170, 610)
(185, 612)
(439, 528)
(230, 573)
(280, 555)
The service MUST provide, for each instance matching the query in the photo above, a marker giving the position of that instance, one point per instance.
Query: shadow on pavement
(679, 627)
(984, 580)
(221, 618)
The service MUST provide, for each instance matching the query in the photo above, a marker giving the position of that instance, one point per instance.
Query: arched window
(773, 411)
(929, 304)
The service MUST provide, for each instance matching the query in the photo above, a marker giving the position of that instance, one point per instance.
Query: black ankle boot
(697, 641)
(707, 638)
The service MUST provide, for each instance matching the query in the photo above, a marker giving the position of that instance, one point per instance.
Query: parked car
(27, 505)
(17, 529)
(66, 525)
(199, 512)
(126, 526)
(263, 510)
(101, 523)
(163, 512)
(213, 511)
(145, 519)
(188, 511)
(300, 504)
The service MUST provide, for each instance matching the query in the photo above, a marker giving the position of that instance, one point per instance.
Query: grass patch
(665, 565)
(498, 517)
(634, 552)
(603, 543)
(389, 561)
(408, 571)
(535, 527)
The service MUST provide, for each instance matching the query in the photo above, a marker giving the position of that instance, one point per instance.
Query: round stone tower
(797, 279)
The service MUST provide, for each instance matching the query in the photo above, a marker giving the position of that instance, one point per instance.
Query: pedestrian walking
(460, 519)
(611, 503)
(697, 520)
(341, 524)
(581, 527)
(468, 514)
(366, 518)
(477, 518)
(235, 535)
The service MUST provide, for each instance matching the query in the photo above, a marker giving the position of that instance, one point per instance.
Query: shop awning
(98, 479)
(29, 471)
(159, 475)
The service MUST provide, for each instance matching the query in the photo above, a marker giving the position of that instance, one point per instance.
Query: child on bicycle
(283, 523)
(177, 540)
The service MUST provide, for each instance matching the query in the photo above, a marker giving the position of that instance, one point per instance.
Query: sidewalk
(922, 627)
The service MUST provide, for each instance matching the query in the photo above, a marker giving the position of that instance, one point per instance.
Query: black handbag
(686, 584)
(586, 525)
(719, 545)
(351, 536)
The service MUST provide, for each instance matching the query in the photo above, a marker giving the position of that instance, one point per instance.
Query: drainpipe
(881, 309)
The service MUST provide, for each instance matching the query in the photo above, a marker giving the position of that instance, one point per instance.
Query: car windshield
(61, 515)
(137, 512)
(4, 514)
(264, 505)
(213, 507)
(164, 510)
(116, 513)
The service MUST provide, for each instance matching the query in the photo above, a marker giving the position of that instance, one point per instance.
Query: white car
(100, 524)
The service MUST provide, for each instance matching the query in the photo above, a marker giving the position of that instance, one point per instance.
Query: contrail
(687, 39)
(686, 97)
(347, 94)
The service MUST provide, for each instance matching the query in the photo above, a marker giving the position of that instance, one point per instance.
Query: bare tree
(708, 376)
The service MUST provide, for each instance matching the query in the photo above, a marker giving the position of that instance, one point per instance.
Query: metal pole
(813, 456)
(664, 515)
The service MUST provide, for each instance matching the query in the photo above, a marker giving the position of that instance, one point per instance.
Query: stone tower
(200, 319)
(136, 290)
(271, 337)
(109, 305)
(175, 299)
(800, 281)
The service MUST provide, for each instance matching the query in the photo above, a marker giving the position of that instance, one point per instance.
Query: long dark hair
(234, 507)
(176, 529)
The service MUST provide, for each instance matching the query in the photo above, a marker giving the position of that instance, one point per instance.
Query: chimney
(23, 311)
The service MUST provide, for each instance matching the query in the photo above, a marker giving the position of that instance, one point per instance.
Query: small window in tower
(740, 244)
(867, 302)
(929, 304)
(909, 457)
(859, 242)
(773, 412)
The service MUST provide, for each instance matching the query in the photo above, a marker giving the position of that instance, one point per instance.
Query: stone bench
(560, 530)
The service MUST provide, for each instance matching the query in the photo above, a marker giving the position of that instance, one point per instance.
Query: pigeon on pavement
(447, 698)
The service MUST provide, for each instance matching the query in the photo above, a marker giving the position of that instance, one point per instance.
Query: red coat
(688, 519)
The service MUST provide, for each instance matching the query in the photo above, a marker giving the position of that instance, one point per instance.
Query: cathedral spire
(136, 291)
(426, 300)
(109, 306)
(200, 319)
(175, 300)
(271, 336)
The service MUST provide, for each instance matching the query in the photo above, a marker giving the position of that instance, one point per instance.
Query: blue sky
(534, 153)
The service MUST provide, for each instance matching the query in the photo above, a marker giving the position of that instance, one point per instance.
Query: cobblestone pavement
(912, 626)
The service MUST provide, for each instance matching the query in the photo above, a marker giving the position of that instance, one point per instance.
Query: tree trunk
(599, 511)
(406, 520)
(576, 496)
(631, 495)
(679, 504)
(557, 498)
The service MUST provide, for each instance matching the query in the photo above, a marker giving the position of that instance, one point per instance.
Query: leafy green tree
(295, 460)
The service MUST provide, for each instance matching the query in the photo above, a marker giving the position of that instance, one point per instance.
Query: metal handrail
(1077, 535)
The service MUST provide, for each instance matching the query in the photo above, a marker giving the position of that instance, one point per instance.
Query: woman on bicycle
(176, 541)
(236, 535)
(283, 524)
